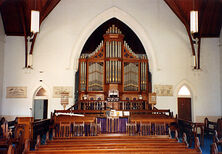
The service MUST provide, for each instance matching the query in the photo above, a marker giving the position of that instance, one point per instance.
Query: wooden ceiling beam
(1, 2)
(22, 15)
(33, 43)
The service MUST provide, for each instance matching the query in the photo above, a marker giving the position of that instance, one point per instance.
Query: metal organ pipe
(110, 77)
(110, 49)
(116, 51)
(145, 76)
(117, 71)
(113, 71)
(113, 46)
(107, 51)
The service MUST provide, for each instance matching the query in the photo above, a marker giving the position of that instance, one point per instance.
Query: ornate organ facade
(114, 73)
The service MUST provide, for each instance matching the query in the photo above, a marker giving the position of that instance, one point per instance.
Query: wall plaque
(58, 90)
(16, 92)
(163, 90)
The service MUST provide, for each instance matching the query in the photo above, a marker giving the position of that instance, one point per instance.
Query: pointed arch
(192, 90)
(35, 91)
(41, 92)
(187, 84)
(40, 89)
(100, 19)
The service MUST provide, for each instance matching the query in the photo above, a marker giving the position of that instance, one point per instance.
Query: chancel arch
(113, 12)
(114, 67)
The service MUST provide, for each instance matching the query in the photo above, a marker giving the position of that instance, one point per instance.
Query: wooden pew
(14, 137)
(11, 150)
(190, 129)
(4, 133)
(111, 144)
(209, 126)
(216, 139)
(214, 149)
(152, 124)
(219, 127)
(69, 126)
(28, 127)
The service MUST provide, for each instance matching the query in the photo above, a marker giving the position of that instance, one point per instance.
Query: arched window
(184, 91)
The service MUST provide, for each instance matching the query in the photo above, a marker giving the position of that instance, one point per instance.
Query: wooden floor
(114, 143)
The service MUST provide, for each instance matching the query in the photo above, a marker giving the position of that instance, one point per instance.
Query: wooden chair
(131, 128)
(78, 129)
(160, 128)
(209, 126)
(64, 129)
(145, 129)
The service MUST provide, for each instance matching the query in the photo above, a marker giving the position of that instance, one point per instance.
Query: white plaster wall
(2, 43)
(167, 41)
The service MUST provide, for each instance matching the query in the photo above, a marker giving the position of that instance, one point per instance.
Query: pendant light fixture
(193, 20)
(35, 19)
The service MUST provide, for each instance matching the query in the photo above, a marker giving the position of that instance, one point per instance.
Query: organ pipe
(116, 72)
(114, 66)
(116, 49)
(110, 71)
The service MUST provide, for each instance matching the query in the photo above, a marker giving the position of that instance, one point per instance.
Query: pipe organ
(113, 66)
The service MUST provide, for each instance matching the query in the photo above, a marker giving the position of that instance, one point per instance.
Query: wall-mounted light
(193, 21)
(35, 16)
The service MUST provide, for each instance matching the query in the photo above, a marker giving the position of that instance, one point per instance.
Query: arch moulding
(100, 19)
(187, 84)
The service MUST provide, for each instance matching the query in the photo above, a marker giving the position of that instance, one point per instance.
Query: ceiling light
(35, 21)
(193, 21)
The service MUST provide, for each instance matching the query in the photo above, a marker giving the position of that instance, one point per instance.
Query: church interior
(111, 76)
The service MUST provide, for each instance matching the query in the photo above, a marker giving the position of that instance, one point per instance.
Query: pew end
(11, 149)
(27, 146)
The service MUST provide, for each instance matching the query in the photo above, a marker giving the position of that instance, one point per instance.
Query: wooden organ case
(113, 76)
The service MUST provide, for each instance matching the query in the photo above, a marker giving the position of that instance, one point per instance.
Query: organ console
(113, 67)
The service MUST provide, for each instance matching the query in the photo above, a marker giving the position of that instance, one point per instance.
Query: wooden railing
(104, 105)
(103, 112)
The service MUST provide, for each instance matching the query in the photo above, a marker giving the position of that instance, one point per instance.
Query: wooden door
(184, 108)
